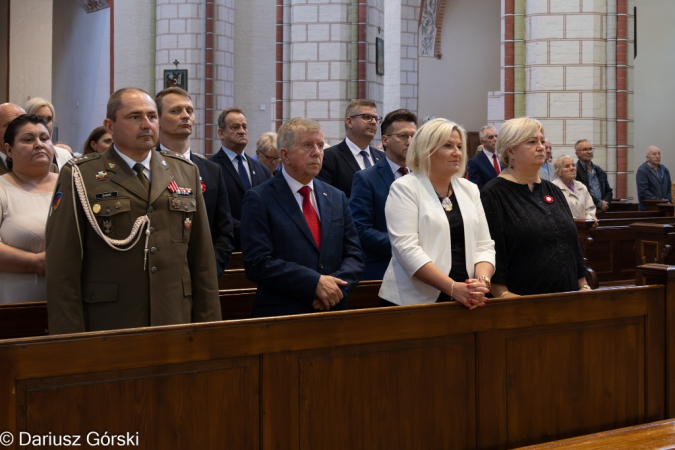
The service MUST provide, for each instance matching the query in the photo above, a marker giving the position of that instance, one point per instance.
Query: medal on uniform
(101, 176)
(203, 185)
(446, 203)
(175, 203)
(187, 223)
(96, 208)
(107, 226)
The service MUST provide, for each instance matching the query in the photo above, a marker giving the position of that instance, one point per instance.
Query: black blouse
(458, 272)
(536, 243)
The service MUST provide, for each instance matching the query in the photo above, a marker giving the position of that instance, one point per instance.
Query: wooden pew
(609, 252)
(517, 372)
(23, 320)
(654, 243)
(656, 435)
(620, 205)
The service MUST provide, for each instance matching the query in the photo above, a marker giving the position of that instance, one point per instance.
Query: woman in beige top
(576, 194)
(25, 194)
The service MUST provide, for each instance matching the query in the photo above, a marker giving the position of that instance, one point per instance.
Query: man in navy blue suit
(176, 121)
(485, 166)
(241, 172)
(370, 189)
(354, 153)
(299, 241)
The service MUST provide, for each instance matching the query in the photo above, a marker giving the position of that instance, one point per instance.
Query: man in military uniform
(130, 247)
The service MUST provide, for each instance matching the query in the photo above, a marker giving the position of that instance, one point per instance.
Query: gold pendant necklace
(446, 203)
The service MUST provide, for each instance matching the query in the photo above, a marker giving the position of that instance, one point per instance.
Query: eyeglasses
(589, 149)
(369, 117)
(402, 136)
(273, 160)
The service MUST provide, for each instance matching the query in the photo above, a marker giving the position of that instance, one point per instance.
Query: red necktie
(310, 215)
(403, 170)
(495, 163)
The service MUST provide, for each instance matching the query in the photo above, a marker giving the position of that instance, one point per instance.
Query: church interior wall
(255, 65)
(30, 57)
(81, 71)
(653, 80)
(134, 56)
(456, 86)
(4, 46)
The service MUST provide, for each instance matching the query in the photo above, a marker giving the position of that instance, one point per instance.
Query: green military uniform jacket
(102, 288)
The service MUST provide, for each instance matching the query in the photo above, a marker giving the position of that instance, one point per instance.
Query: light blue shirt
(232, 155)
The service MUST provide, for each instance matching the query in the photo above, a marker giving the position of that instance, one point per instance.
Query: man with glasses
(371, 188)
(485, 166)
(342, 161)
(241, 172)
(592, 176)
(176, 121)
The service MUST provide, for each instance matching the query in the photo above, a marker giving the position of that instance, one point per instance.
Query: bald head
(8, 112)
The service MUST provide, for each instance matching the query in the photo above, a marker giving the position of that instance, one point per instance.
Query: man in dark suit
(176, 120)
(241, 172)
(354, 153)
(371, 188)
(103, 271)
(299, 241)
(592, 176)
(485, 166)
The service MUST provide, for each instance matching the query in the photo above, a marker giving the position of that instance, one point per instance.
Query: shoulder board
(199, 155)
(84, 158)
(175, 155)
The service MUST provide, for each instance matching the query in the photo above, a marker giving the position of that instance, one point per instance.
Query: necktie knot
(305, 191)
(403, 170)
(243, 175)
(140, 174)
(366, 159)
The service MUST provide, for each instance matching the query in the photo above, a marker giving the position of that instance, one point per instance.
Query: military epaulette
(198, 155)
(175, 155)
(84, 158)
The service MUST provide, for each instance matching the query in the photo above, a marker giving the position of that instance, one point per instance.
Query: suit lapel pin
(325, 195)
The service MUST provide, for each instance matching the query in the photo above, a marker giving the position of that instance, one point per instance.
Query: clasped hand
(328, 292)
(471, 293)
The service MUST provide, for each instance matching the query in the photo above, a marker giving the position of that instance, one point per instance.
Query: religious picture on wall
(379, 56)
(176, 78)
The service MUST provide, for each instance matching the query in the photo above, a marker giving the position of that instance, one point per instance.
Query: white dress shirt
(356, 151)
(295, 186)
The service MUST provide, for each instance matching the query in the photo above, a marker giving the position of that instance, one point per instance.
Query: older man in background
(653, 179)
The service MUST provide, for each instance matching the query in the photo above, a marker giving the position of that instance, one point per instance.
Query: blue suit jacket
(235, 190)
(481, 170)
(218, 210)
(370, 189)
(280, 254)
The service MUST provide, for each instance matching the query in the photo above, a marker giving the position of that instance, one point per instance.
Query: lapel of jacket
(325, 204)
(286, 199)
(487, 163)
(348, 156)
(252, 168)
(121, 174)
(225, 161)
(384, 170)
(161, 176)
(375, 154)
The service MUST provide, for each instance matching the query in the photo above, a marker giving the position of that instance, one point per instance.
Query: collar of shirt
(591, 170)
(489, 154)
(131, 163)
(230, 154)
(295, 186)
(394, 168)
(185, 155)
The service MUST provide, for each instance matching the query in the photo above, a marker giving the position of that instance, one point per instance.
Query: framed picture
(379, 56)
(177, 78)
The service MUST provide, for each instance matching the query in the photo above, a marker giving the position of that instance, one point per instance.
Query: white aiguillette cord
(115, 244)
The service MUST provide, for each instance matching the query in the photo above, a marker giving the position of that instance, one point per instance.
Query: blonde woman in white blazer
(429, 212)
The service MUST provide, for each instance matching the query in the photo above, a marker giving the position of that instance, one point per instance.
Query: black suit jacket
(217, 208)
(339, 166)
(235, 190)
(605, 189)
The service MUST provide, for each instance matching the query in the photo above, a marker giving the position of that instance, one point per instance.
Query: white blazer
(419, 233)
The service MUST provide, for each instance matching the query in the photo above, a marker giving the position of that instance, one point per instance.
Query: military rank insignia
(101, 176)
